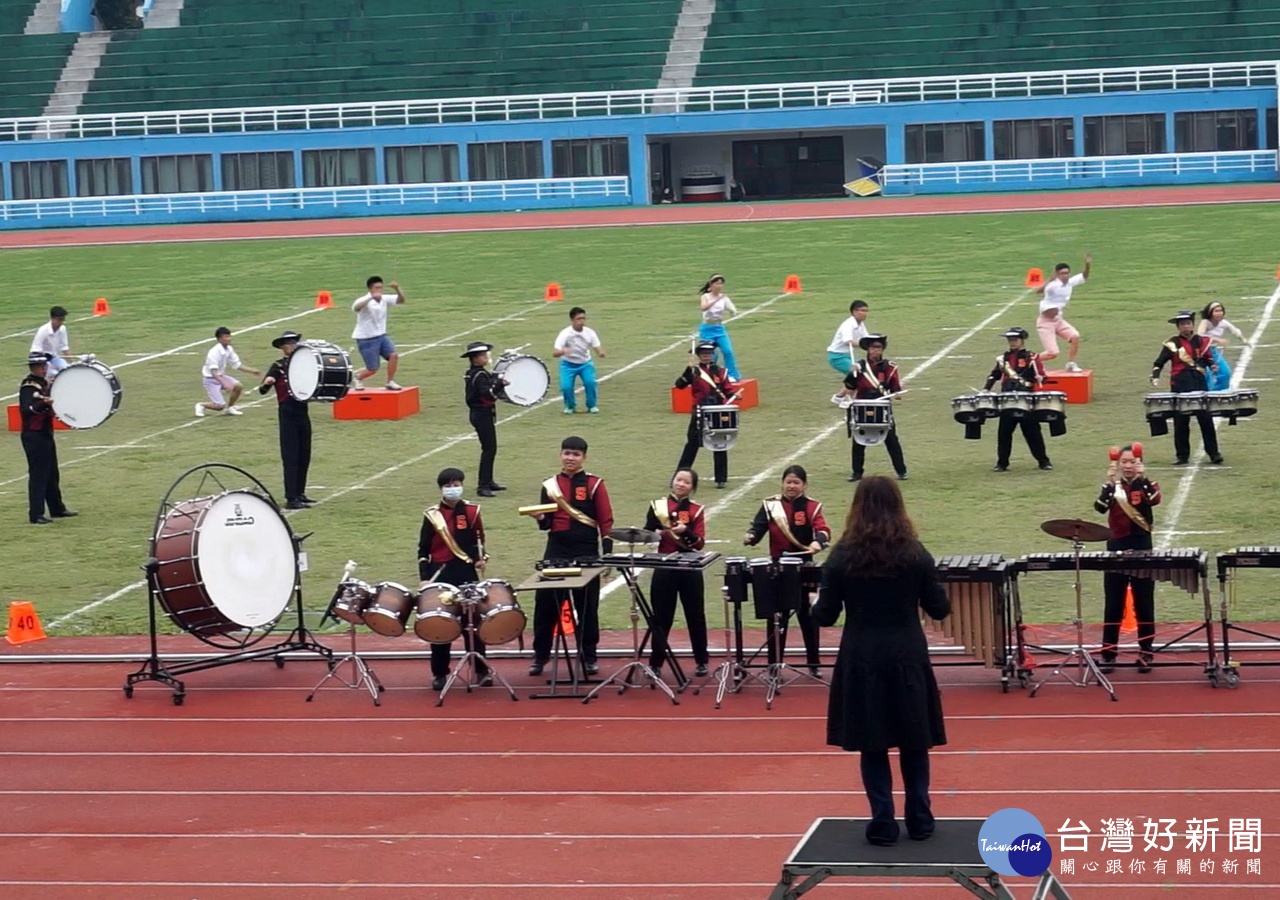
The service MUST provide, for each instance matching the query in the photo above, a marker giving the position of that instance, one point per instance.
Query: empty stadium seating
(29, 65)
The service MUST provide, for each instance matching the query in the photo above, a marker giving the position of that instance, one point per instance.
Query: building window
(590, 157)
(944, 142)
(426, 164)
(1271, 129)
(177, 174)
(43, 180)
(339, 168)
(257, 171)
(1224, 129)
(1124, 135)
(1033, 138)
(103, 177)
(506, 161)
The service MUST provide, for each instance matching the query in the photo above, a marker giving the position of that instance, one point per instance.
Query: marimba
(978, 587)
(1240, 558)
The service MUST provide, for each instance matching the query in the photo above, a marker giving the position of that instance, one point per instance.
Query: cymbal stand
(469, 596)
(637, 665)
(361, 674)
(775, 676)
(735, 668)
(1086, 667)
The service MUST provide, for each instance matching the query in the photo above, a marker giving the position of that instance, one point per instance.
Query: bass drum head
(245, 559)
(304, 371)
(84, 395)
(528, 379)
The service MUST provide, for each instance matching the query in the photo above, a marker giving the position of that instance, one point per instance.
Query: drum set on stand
(972, 410)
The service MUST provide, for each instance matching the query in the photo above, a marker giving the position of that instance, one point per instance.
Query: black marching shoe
(902, 476)
(303, 498)
(485, 492)
(295, 504)
(1144, 663)
(537, 667)
(700, 670)
(1180, 461)
(1000, 467)
(1106, 666)
(1046, 466)
(437, 683)
(65, 514)
(590, 668)
(41, 520)
(855, 476)
(720, 485)
(486, 680)
(1216, 459)
(494, 486)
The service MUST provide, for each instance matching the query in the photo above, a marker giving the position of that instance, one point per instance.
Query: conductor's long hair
(879, 537)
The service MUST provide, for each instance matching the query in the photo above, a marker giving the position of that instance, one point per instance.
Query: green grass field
(930, 281)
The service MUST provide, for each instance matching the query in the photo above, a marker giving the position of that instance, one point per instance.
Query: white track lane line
(440, 448)
(1183, 493)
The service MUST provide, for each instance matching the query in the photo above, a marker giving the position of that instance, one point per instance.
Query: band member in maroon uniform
(481, 394)
(577, 530)
(872, 379)
(683, 528)
(1018, 369)
(794, 524)
(710, 385)
(1127, 498)
(295, 424)
(1189, 355)
(36, 410)
(451, 550)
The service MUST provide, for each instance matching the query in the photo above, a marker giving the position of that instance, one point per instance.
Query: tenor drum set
(1230, 405)
(972, 410)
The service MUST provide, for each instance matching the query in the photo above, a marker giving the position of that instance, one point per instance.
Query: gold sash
(1013, 373)
(661, 512)
(437, 520)
(1173, 347)
(865, 372)
(773, 506)
(706, 376)
(1121, 496)
(553, 491)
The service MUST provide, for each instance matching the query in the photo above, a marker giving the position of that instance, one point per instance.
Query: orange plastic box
(378, 403)
(1078, 386)
(682, 399)
(15, 420)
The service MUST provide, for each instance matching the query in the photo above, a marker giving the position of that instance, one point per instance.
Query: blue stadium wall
(893, 118)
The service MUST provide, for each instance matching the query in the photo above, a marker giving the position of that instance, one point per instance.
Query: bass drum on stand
(527, 379)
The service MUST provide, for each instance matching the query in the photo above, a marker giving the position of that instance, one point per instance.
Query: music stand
(562, 586)
(1086, 667)
(468, 596)
(361, 674)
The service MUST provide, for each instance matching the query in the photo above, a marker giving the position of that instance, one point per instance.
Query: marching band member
(683, 528)
(481, 394)
(294, 424)
(1214, 325)
(578, 529)
(36, 410)
(1188, 355)
(1018, 369)
(451, 550)
(872, 379)
(794, 523)
(716, 306)
(710, 385)
(1127, 499)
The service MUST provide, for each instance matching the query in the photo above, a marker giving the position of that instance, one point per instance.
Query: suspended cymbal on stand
(634, 536)
(1076, 530)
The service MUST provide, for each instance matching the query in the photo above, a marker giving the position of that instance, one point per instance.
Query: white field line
(31, 331)
(449, 444)
(1237, 376)
(751, 483)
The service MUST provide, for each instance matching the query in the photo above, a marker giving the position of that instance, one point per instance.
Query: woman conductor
(883, 693)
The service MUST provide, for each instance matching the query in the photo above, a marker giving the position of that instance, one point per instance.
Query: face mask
(452, 494)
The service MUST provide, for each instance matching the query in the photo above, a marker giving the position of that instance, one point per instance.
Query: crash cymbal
(1076, 530)
(634, 536)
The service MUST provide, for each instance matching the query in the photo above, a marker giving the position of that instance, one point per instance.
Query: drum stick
(545, 509)
(348, 569)
(898, 394)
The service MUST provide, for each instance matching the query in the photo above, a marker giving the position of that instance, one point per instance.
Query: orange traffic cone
(554, 294)
(101, 307)
(565, 624)
(1035, 278)
(1277, 273)
(1129, 624)
(792, 285)
(24, 624)
(324, 300)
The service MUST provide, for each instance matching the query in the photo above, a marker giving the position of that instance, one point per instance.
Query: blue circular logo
(1013, 842)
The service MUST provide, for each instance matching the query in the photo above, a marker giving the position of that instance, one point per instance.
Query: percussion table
(837, 847)
(1228, 563)
(560, 649)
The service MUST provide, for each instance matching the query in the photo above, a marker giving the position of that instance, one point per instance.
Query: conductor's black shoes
(537, 667)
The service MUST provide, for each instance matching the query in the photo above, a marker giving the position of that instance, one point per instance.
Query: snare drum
(501, 618)
(527, 379)
(776, 586)
(869, 421)
(352, 601)
(718, 424)
(439, 619)
(735, 579)
(85, 394)
(319, 370)
(389, 612)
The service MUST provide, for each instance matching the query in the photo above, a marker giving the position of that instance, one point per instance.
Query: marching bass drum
(319, 370)
(527, 379)
(226, 564)
(85, 394)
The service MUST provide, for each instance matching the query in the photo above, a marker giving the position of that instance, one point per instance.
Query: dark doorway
(659, 169)
(791, 167)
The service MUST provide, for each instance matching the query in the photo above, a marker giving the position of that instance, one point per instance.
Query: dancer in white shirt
(716, 307)
(371, 331)
(52, 339)
(218, 363)
(841, 353)
(573, 347)
(1051, 324)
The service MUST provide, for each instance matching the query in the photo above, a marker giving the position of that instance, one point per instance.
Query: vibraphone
(979, 588)
(684, 560)
(1186, 568)
(1240, 558)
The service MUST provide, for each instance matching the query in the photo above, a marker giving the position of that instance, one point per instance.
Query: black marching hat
(37, 358)
(1185, 316)
(289, 337)
(706, 346)
(475, 347)
(1016, 332)
(881, 339)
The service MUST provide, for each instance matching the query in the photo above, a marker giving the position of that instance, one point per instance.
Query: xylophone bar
(1248, 557)
(1184, 567)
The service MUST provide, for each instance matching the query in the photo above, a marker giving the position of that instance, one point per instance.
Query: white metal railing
(389, 195)
(636, 102)
(1077, 168)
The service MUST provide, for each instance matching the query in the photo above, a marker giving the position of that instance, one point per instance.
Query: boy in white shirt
(52, 339)
(1050, 324)
(219, 361)
(371, 331)
(573, 348)
(844, 344)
